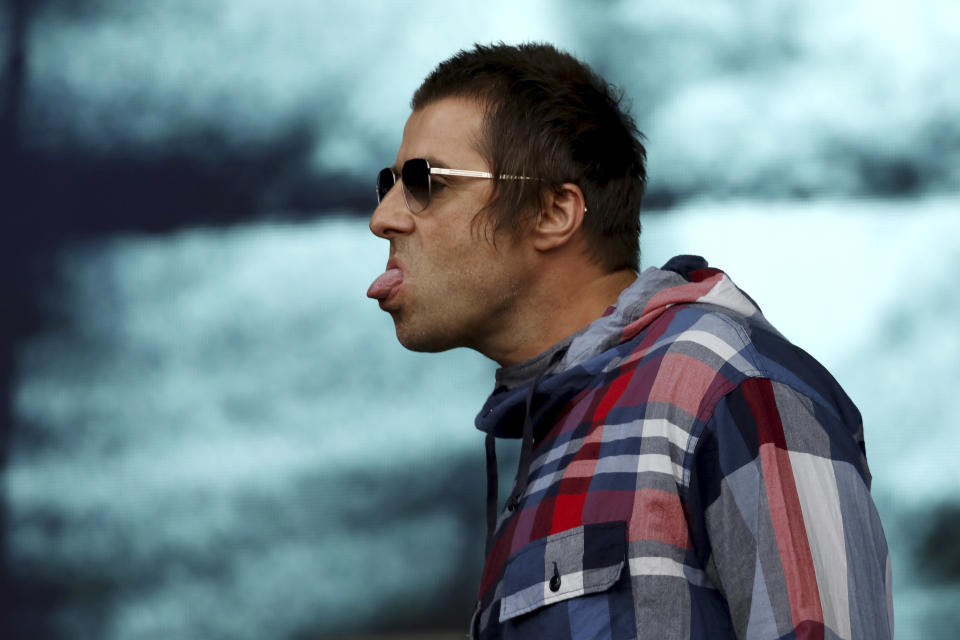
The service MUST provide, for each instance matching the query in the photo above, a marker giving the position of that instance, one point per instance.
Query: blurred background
(209, 432)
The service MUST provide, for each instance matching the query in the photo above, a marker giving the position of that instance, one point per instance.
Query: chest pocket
(561, 567)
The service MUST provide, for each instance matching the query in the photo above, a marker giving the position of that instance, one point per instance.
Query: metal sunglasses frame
(462, 173)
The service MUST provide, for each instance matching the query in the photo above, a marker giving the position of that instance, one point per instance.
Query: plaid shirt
(694, 475)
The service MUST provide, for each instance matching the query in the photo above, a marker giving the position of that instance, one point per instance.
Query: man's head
(498, 113)
(548, 116)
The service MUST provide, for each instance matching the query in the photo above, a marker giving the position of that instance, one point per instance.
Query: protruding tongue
(384, 284)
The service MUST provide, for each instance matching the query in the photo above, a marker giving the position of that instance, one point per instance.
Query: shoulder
(713, 334)
(691, 356)
(691, 339)
(695, 355)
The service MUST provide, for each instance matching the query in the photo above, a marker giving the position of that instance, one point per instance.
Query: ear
(560, 218)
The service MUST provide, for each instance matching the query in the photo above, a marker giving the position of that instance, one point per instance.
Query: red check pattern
(732, 460)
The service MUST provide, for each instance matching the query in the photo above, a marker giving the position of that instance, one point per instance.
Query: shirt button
(555, 580)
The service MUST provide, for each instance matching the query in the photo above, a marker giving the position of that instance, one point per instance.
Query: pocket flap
(568, 564)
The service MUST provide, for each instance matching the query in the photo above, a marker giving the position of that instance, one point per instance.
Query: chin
(423, 340)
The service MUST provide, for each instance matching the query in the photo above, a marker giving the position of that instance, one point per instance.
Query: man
(685, 472)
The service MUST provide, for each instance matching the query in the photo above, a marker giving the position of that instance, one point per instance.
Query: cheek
(455, 286)
(453, 261)
(459, 272)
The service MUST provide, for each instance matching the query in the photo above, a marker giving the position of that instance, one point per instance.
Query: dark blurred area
(56, 195)
(937, 553)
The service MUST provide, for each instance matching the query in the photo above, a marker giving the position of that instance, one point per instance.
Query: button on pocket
(555, 580)
(587, 559)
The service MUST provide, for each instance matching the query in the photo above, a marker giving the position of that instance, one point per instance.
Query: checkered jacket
(693, 475)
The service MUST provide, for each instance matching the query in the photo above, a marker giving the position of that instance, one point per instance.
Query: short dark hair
(549, 116)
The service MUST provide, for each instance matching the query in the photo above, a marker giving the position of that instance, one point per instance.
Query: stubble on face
(462, 287)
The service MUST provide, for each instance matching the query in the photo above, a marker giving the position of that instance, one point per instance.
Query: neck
(557, 305)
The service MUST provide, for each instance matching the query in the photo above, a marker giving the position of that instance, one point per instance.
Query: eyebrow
(434, 162)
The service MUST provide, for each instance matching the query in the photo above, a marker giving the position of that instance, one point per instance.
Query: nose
(391, 217)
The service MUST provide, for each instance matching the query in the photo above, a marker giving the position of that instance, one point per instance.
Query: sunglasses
(416, 183)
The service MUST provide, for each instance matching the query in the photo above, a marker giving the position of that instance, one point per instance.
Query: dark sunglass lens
(416, 179)
(385, 181)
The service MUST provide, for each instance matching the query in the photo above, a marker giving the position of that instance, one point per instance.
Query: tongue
(383, 285)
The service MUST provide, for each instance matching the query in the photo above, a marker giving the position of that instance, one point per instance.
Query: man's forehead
(446, 132)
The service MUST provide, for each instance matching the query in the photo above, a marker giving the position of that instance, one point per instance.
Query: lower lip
(385, 303)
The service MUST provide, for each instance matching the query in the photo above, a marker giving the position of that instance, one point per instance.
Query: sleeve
(782, 517)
